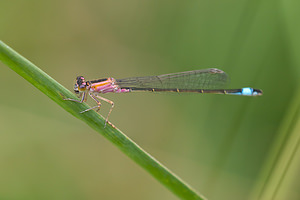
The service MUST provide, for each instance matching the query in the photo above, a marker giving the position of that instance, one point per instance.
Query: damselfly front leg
(83, 98)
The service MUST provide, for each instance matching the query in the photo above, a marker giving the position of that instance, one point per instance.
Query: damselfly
(197, 81)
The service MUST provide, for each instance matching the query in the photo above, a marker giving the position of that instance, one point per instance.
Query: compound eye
(80, 80)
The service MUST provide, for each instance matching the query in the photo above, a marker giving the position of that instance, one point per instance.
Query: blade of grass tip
(57, 93)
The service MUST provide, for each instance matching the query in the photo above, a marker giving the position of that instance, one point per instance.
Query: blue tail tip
(247, 91)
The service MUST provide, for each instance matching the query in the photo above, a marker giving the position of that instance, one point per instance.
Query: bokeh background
(226, 147)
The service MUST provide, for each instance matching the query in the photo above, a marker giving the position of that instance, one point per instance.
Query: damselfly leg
(83, 98)
(108, 101)
(98, 106)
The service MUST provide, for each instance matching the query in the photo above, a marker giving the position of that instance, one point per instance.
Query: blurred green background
(226, 147)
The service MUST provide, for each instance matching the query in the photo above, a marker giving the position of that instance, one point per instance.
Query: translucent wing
(197, 79)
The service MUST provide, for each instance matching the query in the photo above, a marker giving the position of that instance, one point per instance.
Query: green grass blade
(57, 93)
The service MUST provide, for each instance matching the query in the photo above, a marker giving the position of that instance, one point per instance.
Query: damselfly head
(81, 85)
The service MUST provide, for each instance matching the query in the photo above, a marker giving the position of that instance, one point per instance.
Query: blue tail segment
(247, 91)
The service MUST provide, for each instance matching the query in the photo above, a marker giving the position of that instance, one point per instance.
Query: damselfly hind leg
(108, 101)
(98, 106)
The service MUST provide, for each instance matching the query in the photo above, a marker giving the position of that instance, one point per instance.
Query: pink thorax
(107, 86)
